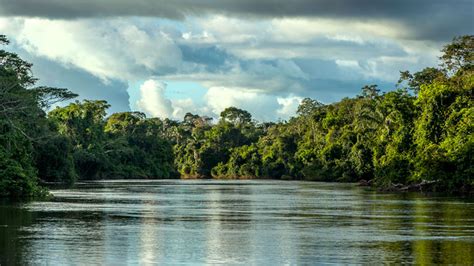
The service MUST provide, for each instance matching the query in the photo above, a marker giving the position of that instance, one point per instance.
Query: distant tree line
(423, 130)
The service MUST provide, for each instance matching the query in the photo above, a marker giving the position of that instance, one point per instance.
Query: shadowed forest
(420, 132)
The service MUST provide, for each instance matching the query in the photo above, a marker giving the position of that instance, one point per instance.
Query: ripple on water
(249, 221)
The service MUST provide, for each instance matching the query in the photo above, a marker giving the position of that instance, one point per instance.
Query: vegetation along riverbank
(419, 134)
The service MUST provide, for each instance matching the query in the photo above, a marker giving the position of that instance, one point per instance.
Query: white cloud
(307, 29)
(263, 107)
(258, 61)
(153, 101)
(183, 106)
(111, 49)
(229, 31)
(289, 105)
(289, 38)
(348, 63)
(136, 49)
(219, 98)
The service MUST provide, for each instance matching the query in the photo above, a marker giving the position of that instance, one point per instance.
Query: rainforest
(418, 135)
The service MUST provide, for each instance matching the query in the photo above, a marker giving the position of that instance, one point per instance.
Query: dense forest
(422, 131)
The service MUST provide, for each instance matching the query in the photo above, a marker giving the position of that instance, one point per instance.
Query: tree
(459, 54)
(83, 123)
(426, 76)
(236, 116)
(443, 132)
(139, 148)
(24, 130)
(370, 91)
(47, 96)
(308, 106)
(54, 160)
(123, 123)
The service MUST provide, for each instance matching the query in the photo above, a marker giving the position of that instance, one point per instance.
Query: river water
(235, 222)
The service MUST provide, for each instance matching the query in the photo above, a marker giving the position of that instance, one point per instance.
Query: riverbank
(424, 186)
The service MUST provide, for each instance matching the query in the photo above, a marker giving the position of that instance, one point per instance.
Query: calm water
(235, 222)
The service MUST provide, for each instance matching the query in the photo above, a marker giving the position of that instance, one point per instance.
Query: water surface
(235, 222)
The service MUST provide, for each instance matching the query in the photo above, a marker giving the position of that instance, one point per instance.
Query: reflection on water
(257, 222)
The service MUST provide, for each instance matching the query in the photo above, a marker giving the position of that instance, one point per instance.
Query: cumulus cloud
(107, 49)
(263, 107)
(218, 51)
(262, 56)
(153, 101)
(289, 105)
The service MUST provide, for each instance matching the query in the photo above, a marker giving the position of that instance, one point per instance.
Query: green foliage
(459, 54)
(140, 151)
(425, 76)
(308, 106)
(23, 127)
(125, 145)
(17, 174)
(236, 116)
(83, 123)
(390, 138)
(444, 132)
(54, 159)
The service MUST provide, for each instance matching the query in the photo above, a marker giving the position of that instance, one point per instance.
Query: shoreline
(424, 187)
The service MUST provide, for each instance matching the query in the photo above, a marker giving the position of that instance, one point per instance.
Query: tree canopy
(423, 131)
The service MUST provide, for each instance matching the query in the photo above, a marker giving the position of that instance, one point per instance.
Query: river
(235, 222)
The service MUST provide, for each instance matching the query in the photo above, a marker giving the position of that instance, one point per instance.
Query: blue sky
(166, 58)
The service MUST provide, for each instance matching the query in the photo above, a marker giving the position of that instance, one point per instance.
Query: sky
(166, 58)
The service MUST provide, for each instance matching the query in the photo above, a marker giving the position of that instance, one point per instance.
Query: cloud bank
(154, 102)
(431, 19)
(264, 56)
